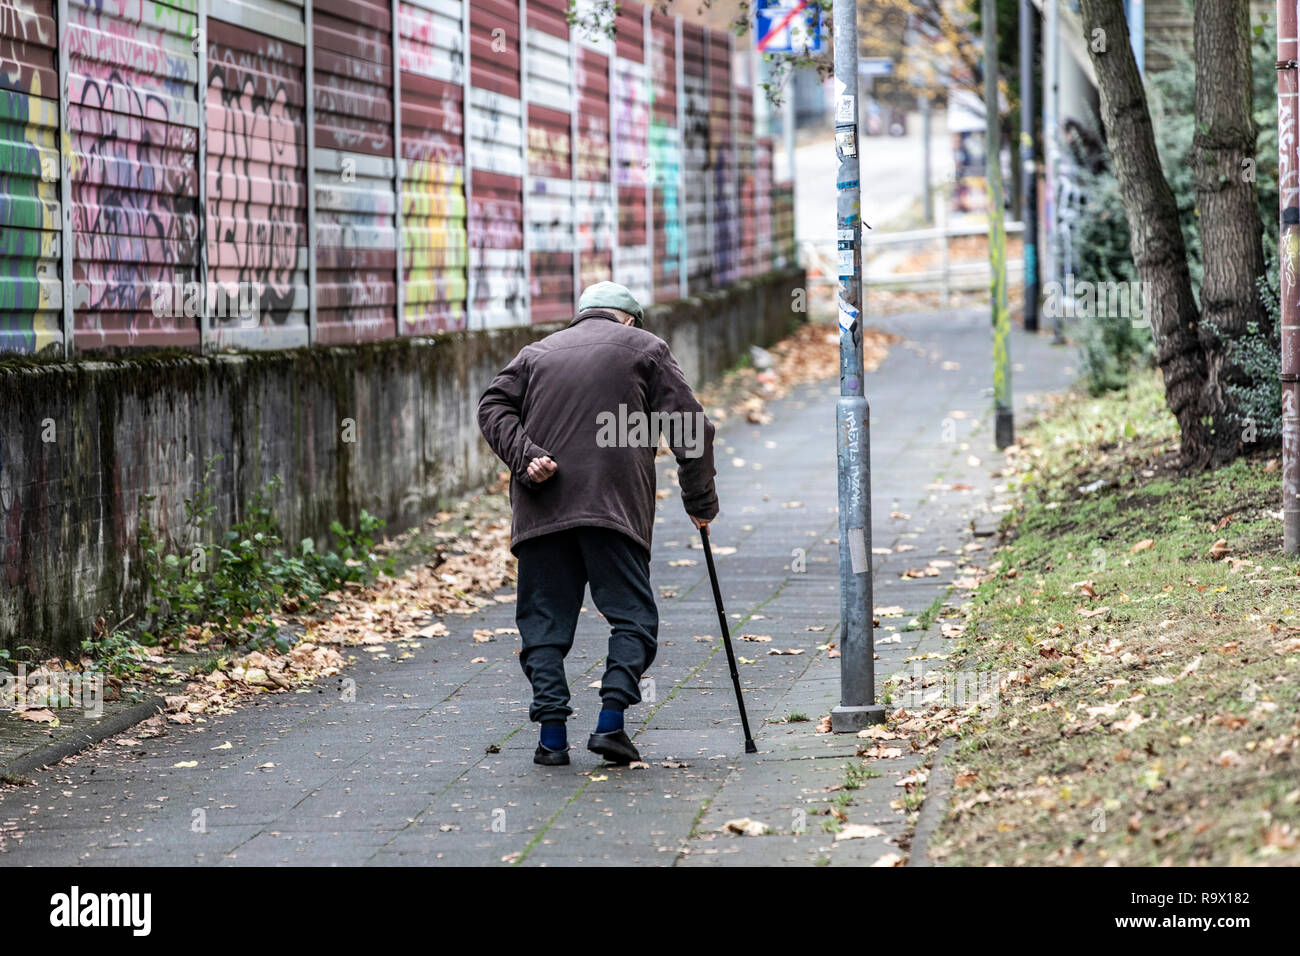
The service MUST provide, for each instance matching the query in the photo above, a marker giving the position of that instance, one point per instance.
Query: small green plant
(856, 775)
(1258, 355)
(6, 656)
(235, 585)
(117, 652)
(912, 801)
(796, 718)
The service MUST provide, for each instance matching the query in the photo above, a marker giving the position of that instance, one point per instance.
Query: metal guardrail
(819, 258)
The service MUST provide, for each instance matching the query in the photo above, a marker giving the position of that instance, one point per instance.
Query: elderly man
(577, 417)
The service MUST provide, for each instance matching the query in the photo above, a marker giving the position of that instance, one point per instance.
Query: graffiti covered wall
(665, 143)
(133, 152)
(631, 124)
(435, 240)
(594, 205)
(256, 199)
(278, 173)
(31, 288)
(356, 198)
(550, 95)
(697, 181)
(496, 154)
(722, 160)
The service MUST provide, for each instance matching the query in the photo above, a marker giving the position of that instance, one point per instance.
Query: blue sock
(609, 721)
(554, 735)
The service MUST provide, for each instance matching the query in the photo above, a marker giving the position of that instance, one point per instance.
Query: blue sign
(788, 26)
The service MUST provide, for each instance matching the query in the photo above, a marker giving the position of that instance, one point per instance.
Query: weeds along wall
(264, 174)
(91, 447)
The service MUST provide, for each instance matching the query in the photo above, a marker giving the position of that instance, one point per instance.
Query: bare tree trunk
(1231, 229)
(1152, 213)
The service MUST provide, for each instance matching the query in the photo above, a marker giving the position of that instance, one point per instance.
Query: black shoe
(614, 747)
(551, 758)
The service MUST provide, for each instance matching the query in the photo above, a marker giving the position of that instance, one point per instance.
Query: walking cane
(726, 639)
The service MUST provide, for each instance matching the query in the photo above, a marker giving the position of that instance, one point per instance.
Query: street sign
(788, 26)
(875, 66)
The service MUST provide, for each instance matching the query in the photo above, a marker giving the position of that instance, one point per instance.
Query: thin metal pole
(787, 124)
(857, 707)
(1052, 148)
(1004, 430)
(1028, 181)
(945, 283)
(1288, 121)
(926, 189)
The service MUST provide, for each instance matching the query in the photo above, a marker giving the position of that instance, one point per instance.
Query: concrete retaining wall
(82, 444)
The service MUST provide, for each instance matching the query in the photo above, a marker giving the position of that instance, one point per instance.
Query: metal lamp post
(858, 706)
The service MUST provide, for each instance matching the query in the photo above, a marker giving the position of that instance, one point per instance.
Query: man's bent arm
(671, 393)
(500, 422)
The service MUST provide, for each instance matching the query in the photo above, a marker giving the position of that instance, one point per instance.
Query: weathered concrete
(388, 426)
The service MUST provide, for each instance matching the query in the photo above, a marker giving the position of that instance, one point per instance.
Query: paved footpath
(432, 762)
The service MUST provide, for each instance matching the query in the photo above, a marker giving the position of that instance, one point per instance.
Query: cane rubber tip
(750, 748)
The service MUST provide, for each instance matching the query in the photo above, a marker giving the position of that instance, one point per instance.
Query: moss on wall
(145, 425)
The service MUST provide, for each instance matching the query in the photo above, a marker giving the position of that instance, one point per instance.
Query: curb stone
(84, 739)
(938, 789)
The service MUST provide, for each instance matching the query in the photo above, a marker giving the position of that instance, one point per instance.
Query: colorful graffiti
(594, 200)
(257, 180)
(498, 287)
(31, 296)
(697, 184)
(133, 115)
(516, 173)
(435, 241)
(665, 148)
(630, 100)
(722, 161)
(354, 165)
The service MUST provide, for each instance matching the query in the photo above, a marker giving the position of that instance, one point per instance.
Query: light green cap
(610, 295)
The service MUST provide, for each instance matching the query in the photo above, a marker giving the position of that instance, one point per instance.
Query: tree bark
(1231, 229)
(1159, 251)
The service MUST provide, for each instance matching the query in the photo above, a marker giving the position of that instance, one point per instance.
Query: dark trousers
(554, 570)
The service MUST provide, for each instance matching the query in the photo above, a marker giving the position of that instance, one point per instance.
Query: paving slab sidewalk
(431, 763)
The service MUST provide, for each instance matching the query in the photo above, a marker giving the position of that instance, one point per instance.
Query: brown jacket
(579, 395)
